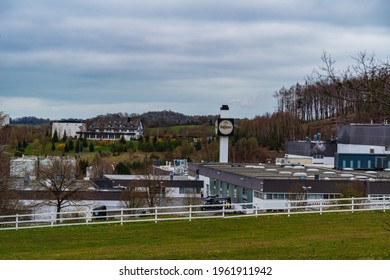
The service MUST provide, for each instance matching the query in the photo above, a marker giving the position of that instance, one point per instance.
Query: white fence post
(17, 222)
(223, 210)
(122, 216)
(190, 214)
(289, 208)
(86, 217)
(320, 206)
(384, 204)
(52, 219)
(155, 214)
(352, 205)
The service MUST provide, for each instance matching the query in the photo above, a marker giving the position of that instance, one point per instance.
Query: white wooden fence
(190, 212)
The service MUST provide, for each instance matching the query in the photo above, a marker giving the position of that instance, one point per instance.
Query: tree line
(360, 92)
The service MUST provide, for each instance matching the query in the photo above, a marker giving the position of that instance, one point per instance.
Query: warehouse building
(275, 184)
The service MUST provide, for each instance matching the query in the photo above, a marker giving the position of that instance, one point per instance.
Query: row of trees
(361, 91)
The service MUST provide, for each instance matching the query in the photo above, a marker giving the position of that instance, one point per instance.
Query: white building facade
(70, 129)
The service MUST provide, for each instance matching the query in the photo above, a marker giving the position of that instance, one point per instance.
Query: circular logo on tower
(225, 127)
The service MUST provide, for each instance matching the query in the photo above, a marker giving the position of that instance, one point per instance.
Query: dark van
(216, 203)
(100, 213)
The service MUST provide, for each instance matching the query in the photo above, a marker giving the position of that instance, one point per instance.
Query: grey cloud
(175, 53)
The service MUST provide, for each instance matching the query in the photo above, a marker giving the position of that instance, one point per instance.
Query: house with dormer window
(114, 128)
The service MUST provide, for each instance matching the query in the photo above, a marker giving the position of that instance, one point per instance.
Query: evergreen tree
(54, 139)
(122, 168)
(85, 143)
(66, 148)
(83, 164)
(122, 140)
(71, 145)
(79, 147)
(64, 137)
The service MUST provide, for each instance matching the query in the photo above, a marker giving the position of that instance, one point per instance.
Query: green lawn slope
(336, 236)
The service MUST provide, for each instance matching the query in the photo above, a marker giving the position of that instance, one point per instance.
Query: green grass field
(302, 237)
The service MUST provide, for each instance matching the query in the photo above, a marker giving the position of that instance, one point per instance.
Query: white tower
(224, 127)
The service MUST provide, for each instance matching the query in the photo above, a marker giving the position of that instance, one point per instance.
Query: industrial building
(358, 146)
(363, 146)
(310, 170)
(273, 185)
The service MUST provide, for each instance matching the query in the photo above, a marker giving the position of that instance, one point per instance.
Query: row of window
(219, 190)
(290, 196)
(112, 130)
(380, 197)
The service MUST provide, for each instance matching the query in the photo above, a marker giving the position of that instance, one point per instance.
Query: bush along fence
(102, 215)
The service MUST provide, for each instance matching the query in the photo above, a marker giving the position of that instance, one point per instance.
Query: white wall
(269, 204)
(360, 149)
(5, 121)
(71, 129)
(25, 166)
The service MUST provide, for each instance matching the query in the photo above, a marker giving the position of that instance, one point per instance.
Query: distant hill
(162, 118)
(29, 121)
(169, 118)
(151, 119)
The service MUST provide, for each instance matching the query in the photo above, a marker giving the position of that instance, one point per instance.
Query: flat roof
(277, 178)
(272, 171)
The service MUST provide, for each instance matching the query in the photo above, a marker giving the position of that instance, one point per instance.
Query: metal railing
(191, 212)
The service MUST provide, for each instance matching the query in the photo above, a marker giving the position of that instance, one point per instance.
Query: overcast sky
(80, 59)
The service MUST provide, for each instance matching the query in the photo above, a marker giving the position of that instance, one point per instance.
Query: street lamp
(306, 189)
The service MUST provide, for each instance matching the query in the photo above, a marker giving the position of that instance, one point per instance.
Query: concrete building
(26, 166)
(176, 190)
(309, 152)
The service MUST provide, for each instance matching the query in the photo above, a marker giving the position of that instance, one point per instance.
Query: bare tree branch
(57, 175)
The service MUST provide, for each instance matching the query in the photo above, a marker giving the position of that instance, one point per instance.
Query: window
(183, 190)
(258, 194)
(372, 150)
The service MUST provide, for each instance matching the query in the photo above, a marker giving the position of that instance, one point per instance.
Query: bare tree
(101, 167)
(57, 175)
(9, 203)
(366, 84)
(192, 198)
(133, 197)
(154, 188)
